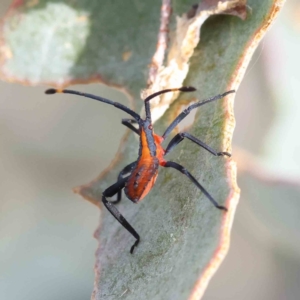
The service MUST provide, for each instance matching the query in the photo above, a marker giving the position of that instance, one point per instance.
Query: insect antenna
(147, 104)
(98, 98)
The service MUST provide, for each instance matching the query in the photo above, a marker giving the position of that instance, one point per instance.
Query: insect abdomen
(142, 179)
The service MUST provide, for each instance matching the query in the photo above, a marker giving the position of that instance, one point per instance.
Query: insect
(138, 178)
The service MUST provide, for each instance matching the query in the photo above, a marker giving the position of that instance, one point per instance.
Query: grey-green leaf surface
(183, 236)
(74, 41)
(180, 229)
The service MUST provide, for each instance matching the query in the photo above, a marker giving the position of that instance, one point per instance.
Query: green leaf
(184, 238)
(75, 41)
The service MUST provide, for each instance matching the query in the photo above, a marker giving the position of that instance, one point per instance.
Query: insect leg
(171, 164)
(125, 171)
(186, 112)
(180, 136)
(111, 191)
(128, 123)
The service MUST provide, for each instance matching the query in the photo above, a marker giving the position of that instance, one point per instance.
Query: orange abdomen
(142, 179)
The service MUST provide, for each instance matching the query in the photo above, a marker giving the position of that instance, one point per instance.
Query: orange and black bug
(138, 178)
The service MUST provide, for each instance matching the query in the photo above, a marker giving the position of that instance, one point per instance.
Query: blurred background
(50, 146)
